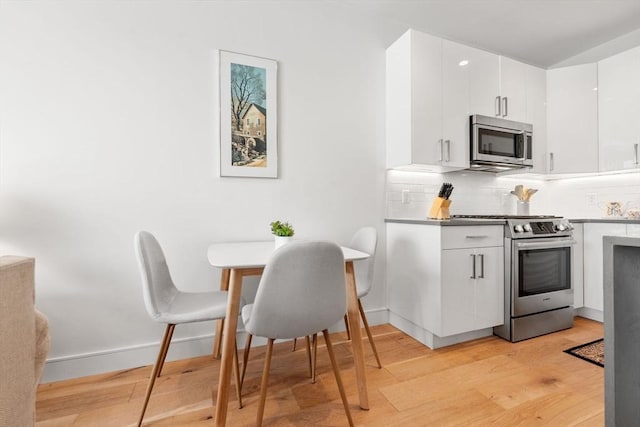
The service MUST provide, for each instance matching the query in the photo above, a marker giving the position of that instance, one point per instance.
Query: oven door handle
(546, 244)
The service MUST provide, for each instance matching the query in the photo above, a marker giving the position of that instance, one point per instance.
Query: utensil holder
(522, 208)
(440, 209)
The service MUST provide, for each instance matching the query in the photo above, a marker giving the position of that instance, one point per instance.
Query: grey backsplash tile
(481, 193)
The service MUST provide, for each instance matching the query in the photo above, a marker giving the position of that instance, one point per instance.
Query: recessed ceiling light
(463, 63)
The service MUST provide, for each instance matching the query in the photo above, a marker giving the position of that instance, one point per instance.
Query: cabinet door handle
(441, 149)
(550, 162)
(505, 104)
(473, 266)
(448, 144)
(481, 276)
(497, 106)
(635, 154)
(478, 236)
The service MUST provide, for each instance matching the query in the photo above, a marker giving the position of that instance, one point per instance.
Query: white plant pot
(282, 240)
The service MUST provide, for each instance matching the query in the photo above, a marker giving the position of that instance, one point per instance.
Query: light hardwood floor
(479, 383)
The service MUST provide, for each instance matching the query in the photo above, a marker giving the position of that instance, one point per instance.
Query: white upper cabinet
(484, 82)
(426, 103)
(572, 119)
(502, 87)
(537, 115)
(434, 85)
(455, 103)
(513, 90)
(619, 110)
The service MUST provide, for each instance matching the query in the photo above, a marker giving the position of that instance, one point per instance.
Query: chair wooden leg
(236, 376)
(225, 276)
(265, 381)
(314, 358)
(217, 341)
(366, 328)
(164, 348)
(346, 326)
(157, 367)
(295, 341)
(336, 372)
(308, 347)
(245, 359)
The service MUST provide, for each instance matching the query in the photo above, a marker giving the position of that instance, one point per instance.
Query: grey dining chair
(364, 240)
(310, 277)
(166, 304)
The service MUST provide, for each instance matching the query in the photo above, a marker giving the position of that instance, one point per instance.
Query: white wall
(108, 125)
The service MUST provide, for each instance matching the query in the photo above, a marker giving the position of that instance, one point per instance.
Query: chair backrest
(302, 291)
(364, 240)
(157, 286)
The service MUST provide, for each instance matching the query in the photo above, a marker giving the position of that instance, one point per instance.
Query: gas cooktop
(506, 216)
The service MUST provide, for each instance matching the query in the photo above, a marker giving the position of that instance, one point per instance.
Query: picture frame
(248, 116)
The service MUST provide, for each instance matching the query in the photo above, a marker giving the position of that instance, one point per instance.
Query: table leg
(356, 335)
(224, 286)
(228, 347)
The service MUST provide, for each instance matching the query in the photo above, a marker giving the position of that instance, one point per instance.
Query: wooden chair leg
(314, 359)
(236, 376)
(295, 341)
(164, 348)
(336, 372)
(265, 381)
(225, 276)
(346, 325)
(217, 341)
(245, 359)
(308, 341)
(157, 367)
(366, 328)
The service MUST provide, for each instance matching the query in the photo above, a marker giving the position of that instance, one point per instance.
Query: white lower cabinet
(445, 283)
(471, 297)
(593, 267)
(578, 266)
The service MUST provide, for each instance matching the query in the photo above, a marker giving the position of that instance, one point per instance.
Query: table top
(256, 254)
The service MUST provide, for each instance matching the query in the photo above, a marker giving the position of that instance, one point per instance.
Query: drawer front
(476, 236)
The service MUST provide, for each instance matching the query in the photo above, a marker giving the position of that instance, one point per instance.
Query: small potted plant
(283, 231)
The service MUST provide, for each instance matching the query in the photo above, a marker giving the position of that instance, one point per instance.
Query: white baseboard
(81, 365)
(590, 313)
(429, 339)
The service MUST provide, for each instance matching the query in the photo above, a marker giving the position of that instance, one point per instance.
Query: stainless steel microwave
(499, 144)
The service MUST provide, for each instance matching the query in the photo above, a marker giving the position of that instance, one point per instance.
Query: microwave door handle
(523, 145)
(545, 245)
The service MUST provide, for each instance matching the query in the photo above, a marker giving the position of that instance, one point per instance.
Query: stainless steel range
(538, 281)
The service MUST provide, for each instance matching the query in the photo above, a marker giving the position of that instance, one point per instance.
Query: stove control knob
(518, 228)
(560, 227)
(569, 226)
(527, 227)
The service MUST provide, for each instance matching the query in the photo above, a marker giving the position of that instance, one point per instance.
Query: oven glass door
(543, 270)
(498, 142)
(541, 275)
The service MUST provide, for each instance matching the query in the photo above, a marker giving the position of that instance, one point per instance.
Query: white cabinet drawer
(476, 236)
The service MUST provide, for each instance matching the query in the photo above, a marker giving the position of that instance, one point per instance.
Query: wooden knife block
(440, 209)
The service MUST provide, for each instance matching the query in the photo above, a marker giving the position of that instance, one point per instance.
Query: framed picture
(248, 116)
